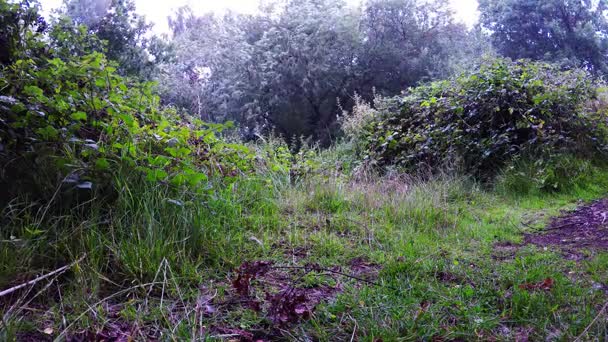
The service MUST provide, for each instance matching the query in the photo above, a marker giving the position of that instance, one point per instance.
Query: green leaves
(155, 175)
(102, 164)
(485, 119)
(180, 152)
(94, 123)
(79, 116)
(34, 92)
(47, 132)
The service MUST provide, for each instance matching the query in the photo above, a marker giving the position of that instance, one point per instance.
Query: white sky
(157, 11)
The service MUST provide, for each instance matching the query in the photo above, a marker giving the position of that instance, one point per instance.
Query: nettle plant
(78, 122)
(482, 120)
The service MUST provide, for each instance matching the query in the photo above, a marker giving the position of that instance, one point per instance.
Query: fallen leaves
(545, 285)
(292, 304)
(277, 294)
(248, 272)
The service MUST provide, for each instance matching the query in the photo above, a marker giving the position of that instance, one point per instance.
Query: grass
(158, 257)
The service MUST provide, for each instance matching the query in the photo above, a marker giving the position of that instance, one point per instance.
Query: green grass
(156, 252)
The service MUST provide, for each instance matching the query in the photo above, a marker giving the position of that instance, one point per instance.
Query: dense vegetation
(485, 119)
(409, 215)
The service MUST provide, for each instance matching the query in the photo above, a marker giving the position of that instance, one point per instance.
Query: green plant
(78, 120)
(483, 120)
(558, 173)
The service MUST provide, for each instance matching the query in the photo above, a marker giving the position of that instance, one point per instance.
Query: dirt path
(583, 228)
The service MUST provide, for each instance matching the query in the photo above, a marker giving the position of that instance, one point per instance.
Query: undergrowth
(150, 261)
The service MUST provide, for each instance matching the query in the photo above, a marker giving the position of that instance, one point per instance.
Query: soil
(585, 228)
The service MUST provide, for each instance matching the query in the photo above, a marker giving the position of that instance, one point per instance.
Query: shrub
(76, 123)
(484, 119)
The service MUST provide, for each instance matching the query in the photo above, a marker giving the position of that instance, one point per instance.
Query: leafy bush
(77, 122)
(484, 119)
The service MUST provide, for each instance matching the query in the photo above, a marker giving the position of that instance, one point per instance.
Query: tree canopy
(292, 66)
(570, 32)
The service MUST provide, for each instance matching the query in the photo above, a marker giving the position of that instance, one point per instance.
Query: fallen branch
(561, 226)
(42, 277)
(602, 310)
(326, 270)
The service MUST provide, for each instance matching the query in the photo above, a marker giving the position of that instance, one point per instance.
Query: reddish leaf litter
(545, 285)
(291, 304)
(363, 268)
(279, 294)
(583, 228)
(274, 290)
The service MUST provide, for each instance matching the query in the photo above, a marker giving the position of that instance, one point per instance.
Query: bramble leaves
(482, 121)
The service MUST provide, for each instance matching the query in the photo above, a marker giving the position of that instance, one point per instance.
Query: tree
(291, 66)
(20, 26)
(573, 32)
(407, 41)
(116, 23)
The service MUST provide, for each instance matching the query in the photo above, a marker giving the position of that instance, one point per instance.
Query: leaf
(545, 285)
(154, 175)
(48, 132)
(85, 185)
(102, 164)
(178, 152)
(176, 202)
(34, 92)
(80, 116)
(8, 100)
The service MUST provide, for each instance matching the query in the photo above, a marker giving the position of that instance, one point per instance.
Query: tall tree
(20, 27)
(406, 41)
(293, 64)
(574, 32)
(117, 24)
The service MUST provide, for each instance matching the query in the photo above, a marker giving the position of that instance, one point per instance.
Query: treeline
(293, 66)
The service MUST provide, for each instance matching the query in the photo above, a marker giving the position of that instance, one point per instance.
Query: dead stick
(592, 322)
(321, 269)
(563, 226)
(42, 277)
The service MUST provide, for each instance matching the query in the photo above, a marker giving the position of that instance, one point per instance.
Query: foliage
(20, 29)
(83, 120)
(484, 119)
(116, 24)
(290, 67)
(558, 173)
(406, 41)
(160, 208)
(574, 33)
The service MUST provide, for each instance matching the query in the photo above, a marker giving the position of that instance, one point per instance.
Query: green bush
(482, 120)
(75, 123)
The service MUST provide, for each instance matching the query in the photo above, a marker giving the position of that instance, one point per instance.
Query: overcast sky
(157, 11)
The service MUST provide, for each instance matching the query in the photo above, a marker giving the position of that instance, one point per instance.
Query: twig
(34, 281)
(352, 337)
(338, 273)
(602, 310)
(562, 226)
(92, 307)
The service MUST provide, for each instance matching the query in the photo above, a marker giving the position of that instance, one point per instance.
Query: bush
(484, 119)
(76, 123)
